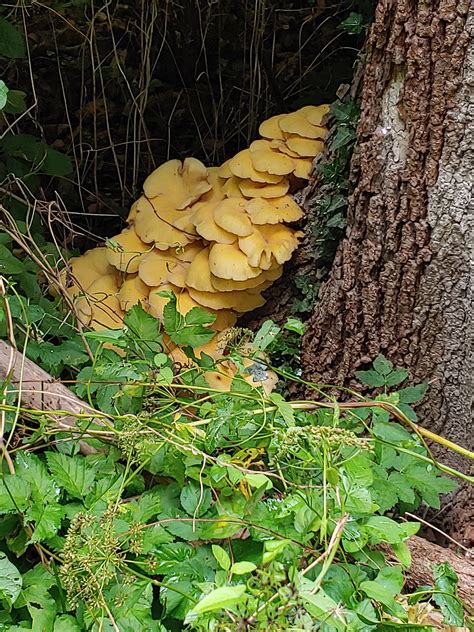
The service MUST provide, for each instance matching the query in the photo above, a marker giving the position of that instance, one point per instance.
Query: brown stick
(39, 390)
(426, 554)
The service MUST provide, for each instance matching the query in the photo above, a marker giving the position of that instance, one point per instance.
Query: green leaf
(402, 553)
(71, 472)
(182, 329)
(56, 163)
(446, 582)
(16, 103)
(294, 324)
(412, 394)
(242, 568)
(10, 581)
(9, 264)
(383, 529)
(392, 432)
(221, 556)
(3, 94)
(66, 623)
(284, 408)
(199, 316)
(266, 335)
(12, 43)
(195, 500)
(15, 494)
(220, 598)
(385, 587)
(47, 519)
(382, 365)
(396, 377)
(143, 325)
(353, 24)
(43, 488)
(370, 378)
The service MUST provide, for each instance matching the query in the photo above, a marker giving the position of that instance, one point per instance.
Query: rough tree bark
(401, 280)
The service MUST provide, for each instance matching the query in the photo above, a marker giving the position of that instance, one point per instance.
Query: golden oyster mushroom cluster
(216, 237)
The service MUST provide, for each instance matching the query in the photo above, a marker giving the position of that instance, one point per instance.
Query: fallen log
(38, 390)
(425, 555)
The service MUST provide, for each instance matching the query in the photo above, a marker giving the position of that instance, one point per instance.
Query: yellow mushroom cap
(183, 183)
(225, 318)
(177, 273)
(132, 291)
(241, 302)
(303, 168)
(188, 253)
(230, 215)
(224, 170)
(251, 189)
(273, 211)
(272, 161)
(132, 213)
(221, 379)
(257, 284)
(281, 146)
(124, 250)
(151, 228)
(217, 182)
(155, 266)
(305, 147)
(231, 187)
(258, 375)
(271, 129)
(106, 310)
(82, 271)
(315, 113)
(203, 219)
(199, 274)
(227, 261)
(296, 123)
(269, 241)
(241, 165)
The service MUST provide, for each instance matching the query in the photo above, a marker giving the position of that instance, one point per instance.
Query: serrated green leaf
(199, 316)
(382, 365)
(412, 394)
(370, 378)
(46, 519)
(284, 408)
(396, 377)
(71, 472)
(392, 432)
(383, 529)
(353, 24)
(15, 494)
(195, 500)
(10, 581)
(43, 488)
(446, 581)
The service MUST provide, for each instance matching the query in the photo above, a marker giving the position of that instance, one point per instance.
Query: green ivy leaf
(354, 24)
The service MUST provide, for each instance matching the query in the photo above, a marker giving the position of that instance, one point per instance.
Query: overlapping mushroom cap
(216, 237)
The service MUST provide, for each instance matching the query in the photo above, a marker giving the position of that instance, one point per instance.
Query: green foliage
(204, 510)
(327, 219)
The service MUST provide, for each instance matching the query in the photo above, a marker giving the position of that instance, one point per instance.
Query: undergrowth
(207, 510)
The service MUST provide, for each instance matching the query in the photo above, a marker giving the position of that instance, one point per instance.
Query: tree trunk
(400, 284)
